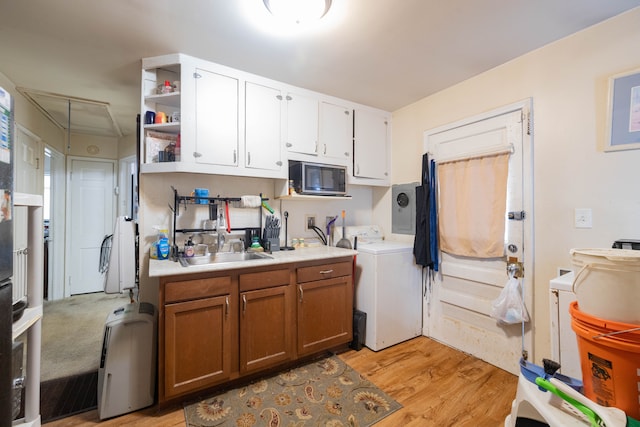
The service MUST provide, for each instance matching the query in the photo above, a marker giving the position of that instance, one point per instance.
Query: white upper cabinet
(224, 121)
(336, 133)
(216, 127)
(302, 124)
(371, 145)
(263, 127)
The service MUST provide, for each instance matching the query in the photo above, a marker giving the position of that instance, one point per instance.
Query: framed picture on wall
(623, 121)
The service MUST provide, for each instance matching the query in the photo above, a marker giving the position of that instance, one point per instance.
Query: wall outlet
(583, 218)
(328, 219)
(310, 220)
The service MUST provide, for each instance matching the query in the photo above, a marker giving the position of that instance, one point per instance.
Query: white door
(370, 145)
(302, 124)
(90, 217)
(28, 177)
(458, 307)
(217, 118)
(263, 126)
(56, 238)
(336, 133)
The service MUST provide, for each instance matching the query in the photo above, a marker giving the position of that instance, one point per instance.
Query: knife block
(275, 243)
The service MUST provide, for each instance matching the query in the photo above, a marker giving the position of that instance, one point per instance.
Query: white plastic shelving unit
(31, 320)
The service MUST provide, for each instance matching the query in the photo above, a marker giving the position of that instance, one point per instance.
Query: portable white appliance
(126, 378)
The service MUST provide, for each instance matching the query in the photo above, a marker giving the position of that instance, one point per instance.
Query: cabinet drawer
(324, 271)
(199, 288)
(265, 279)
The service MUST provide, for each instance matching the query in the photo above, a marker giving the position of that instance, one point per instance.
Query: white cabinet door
(217, 135)
(302, 124)
(370, 152)
(336, 133)
(263, 141)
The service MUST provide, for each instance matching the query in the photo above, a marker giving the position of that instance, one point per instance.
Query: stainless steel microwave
(318, 179)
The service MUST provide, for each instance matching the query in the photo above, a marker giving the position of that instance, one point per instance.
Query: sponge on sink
(250, 201)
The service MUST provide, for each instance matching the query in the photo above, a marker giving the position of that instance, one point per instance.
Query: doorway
(459, 306)
(54, 213)
(91, 211)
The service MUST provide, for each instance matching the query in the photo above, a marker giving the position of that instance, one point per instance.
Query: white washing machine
(388, 288)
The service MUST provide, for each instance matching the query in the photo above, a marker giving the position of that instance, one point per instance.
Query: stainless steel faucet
(236, 245)
(220, 231)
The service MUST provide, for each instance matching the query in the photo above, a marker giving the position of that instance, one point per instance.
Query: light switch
(583, 218)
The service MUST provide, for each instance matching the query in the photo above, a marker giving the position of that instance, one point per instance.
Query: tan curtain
(472, 206)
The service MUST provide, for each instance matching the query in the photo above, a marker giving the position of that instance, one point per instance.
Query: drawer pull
(326, 271)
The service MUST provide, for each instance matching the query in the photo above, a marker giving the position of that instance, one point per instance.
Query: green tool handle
(267, 207)
(594, 419)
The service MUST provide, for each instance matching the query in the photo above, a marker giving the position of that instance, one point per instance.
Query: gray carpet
(72, 331)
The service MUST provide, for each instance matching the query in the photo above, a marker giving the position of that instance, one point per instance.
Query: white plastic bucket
(607, 283)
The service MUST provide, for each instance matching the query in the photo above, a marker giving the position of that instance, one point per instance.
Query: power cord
(320, 234)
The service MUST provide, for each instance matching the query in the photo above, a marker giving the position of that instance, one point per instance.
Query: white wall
(567, 81)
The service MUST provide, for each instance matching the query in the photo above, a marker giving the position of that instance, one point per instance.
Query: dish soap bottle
(255, 245)
(160, 248)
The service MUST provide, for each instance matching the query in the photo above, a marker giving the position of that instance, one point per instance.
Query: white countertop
(159, 268)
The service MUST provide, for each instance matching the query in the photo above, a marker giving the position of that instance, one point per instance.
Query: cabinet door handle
(325, 149)
(248, 158)
(279, 163)
(316, 149)
(226, 303)
(234, 157)
(244, 304)
(326, 271)
(289, 145)
(196, 154)
(301, 293)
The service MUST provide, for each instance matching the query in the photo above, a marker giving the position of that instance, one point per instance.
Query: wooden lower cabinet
(216, 327)
(197, 344)
(266, 328)
(325, 314)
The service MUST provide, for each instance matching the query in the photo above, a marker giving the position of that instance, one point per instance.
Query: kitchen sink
(222, 257)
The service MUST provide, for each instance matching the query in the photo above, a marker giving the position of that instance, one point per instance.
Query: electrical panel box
(403, 214)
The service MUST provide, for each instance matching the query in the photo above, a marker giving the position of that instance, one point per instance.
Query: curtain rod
(486, 152)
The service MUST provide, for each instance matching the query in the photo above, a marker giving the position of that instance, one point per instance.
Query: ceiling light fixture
(298, 11)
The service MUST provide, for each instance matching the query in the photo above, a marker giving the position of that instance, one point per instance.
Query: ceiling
(386, 54)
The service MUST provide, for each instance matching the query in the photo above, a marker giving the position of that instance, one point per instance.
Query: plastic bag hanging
(509, 308)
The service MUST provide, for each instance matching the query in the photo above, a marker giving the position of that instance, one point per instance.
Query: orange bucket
(609, 359)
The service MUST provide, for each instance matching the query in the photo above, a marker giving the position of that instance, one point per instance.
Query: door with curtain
(479, 245)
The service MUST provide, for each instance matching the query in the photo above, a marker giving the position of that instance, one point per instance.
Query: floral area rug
(325, 393)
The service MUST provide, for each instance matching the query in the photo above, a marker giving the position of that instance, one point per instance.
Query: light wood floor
(436, 385)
